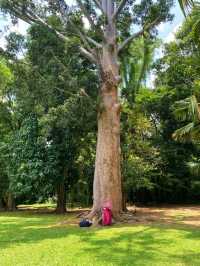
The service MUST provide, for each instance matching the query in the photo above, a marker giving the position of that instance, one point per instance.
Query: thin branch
(96, 44)
(88, 55)
(64, 9)
(119, 8)
(137, 34)
(130, 39)
(59, 34)
(31, 17)
(25, 17)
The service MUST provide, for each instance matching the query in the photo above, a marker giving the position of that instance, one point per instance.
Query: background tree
(6, 78)
(177, 79)
(136, 127)
(188, 110)
(50, 112)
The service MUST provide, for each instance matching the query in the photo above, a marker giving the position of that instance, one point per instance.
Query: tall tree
(101, 44)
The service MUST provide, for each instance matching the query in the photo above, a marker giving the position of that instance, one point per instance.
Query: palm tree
(191, 9)
(136, 66)
(186, 5)
(189, 110)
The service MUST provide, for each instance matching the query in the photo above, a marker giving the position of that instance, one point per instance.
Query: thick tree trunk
(61, 198)
(107, 189)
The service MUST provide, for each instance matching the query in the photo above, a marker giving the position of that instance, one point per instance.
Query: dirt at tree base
(165, 214)
(187, 215)
(168, 214)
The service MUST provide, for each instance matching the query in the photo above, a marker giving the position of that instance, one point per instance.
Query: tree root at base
(96, 217)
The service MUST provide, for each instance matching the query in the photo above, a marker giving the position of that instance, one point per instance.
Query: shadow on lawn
(144, 247)
(121, 246)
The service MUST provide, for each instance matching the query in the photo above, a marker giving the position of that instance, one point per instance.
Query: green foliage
(6, 75)
(178, 73)
(140, 160)
(136, 63)
(26, 155)
(188, 110)
(51, 111)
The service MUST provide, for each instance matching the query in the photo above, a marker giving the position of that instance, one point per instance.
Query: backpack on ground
(85, 223)
(106, 216)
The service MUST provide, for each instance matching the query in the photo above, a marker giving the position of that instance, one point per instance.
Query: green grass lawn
(28, 238)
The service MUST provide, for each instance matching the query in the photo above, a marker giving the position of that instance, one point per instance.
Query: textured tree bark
(61, 198)
(107, 188)
(107, 179)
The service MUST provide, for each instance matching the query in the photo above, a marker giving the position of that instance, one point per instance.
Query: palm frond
(184, 134)
(187, 109)
(195, 134)
(147, 58)
(194, 110)
(195, 16)
(186, 5)
(194, 168)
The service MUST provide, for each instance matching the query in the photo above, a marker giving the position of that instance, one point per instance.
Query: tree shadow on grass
(145, 247)
(19, 228)
(117, 245)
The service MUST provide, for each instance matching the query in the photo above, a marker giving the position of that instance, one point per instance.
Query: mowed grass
(31, 238)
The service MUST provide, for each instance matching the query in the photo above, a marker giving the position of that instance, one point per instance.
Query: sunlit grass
(28, 238)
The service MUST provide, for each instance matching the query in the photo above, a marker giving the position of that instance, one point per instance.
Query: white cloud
(161, 27)
(171, 36)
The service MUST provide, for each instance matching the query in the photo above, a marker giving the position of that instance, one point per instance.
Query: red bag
(106, 216)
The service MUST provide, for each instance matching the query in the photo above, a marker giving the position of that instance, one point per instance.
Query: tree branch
(119, 8)
(137, 34)
(59, 34)
(98, 4)
(31, 17)
(96, 44)
(88, 55)
(64, 9)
